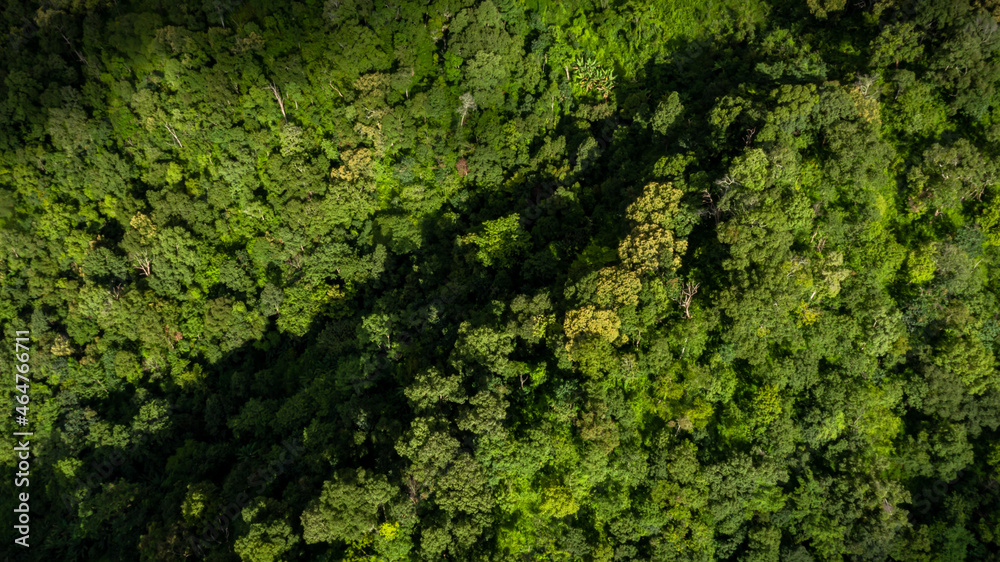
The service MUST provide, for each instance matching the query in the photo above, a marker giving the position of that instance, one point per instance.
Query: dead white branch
(173, 134)
(142, 263)
(277, 96)
(687, 295)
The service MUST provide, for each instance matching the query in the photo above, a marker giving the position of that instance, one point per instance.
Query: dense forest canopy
(504, 280)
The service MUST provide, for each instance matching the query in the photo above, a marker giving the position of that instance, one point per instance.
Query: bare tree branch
(689, 290)
(277, 96)
(173, 134)
(142, 263)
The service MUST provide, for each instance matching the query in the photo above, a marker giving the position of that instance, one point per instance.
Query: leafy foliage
(494, 280)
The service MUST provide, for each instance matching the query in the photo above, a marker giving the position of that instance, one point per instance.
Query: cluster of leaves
(341, 280)
(591, 76)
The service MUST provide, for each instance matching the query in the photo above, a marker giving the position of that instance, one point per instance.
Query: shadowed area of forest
(596, 280)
